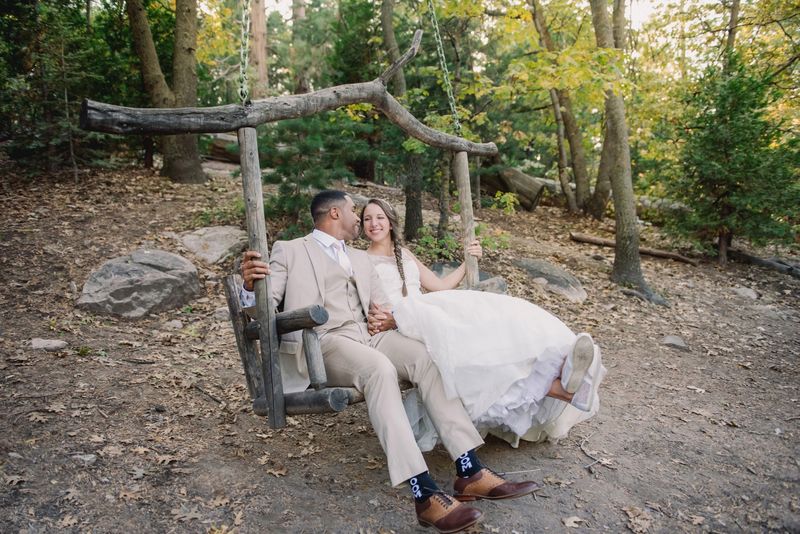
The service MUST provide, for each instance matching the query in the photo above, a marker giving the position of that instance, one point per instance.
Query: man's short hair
(324, 201)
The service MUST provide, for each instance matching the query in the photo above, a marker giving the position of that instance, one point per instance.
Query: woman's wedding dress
(498, 354)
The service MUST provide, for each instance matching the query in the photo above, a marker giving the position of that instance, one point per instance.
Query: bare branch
(100, 117)
(405, 58)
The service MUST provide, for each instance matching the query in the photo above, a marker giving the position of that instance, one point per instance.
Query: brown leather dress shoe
(486, 484)
(444, 514)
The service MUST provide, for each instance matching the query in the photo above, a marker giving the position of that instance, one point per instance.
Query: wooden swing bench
(318, 398)
(262, 364)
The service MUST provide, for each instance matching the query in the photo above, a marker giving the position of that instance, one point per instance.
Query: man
(320, 269)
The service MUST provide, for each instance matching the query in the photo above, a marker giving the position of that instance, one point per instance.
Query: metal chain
(445, 73)
(244, 53)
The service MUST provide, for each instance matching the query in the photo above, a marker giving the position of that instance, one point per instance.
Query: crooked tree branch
(100, 117)
(583, 238)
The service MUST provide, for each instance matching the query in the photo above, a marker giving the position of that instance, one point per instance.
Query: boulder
(49, 345)
(146, 281)
(675, 342)
(552, 278)
(745, 292)
(215, 244)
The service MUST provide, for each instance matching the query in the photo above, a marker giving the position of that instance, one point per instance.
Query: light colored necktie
(342, 259)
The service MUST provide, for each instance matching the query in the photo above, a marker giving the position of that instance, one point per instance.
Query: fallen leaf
(553, 481)
(264, 459)
(184, 513)
(137, 473)
(165, 459)
(67, 521)
(71, 494)
(56, 408)
(36, 417)
(238, 518)
(97, 439)
(696, 389)
(131, 494)
(573, 521)
(220, 500)
(278, 471)
(111, 451)
(140, 450)
(639, 521)
(697, 519)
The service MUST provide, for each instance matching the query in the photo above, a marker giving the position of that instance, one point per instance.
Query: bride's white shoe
(577, 363)
(583, 399)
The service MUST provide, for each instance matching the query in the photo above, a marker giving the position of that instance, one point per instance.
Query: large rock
(215, 243)
(147, 281)
(553, 279)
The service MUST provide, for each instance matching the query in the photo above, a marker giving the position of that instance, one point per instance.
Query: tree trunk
(413, 193)
(258, 48)
(476, 185)
(627, 263)
(563, 177)
(444, 196)
(571, 130)
(725, 237)
(596, 206)
(390, 42)
(181, 154)
(413, 162)
(301, 85)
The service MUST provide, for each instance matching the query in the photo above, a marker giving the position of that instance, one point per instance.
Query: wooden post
(265, 313)
(461, 173)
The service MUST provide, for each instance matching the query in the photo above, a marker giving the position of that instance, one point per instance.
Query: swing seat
(318, 398)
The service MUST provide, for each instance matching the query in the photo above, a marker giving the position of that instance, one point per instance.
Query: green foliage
(741, 175)
(507, 202)
(221, 215)
(492, 239)
(429, 248)
(307, 154)
(51, 58)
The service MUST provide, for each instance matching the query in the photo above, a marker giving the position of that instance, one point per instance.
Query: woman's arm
(431, 282)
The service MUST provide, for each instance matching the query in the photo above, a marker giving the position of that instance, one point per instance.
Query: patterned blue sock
(422, 486)
(468, 464)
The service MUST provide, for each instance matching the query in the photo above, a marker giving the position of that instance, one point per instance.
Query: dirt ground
(145, 427)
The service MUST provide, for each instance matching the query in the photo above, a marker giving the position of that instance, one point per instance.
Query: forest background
(698, 105)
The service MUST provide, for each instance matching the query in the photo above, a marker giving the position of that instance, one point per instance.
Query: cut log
(529, 189)
(223, 147)
(583, 238)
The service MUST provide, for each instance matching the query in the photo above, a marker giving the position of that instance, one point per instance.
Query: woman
(520, 371)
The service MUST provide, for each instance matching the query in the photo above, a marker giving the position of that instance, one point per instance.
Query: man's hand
(253, 269)
(379, 320)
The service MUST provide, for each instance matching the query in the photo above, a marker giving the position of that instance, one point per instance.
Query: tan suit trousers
(374, 370)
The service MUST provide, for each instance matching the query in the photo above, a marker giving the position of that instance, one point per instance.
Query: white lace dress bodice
(498, 354)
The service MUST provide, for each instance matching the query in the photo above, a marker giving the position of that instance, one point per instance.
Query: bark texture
(259, 49)
(572, 132)
(181, 153)
(627, 262)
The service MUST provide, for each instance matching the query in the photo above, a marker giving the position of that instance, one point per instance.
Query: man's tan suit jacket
(298, 272)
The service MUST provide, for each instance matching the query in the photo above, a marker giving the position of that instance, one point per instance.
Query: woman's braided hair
(394, 235)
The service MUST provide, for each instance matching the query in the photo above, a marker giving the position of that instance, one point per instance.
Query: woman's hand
(474, 249)
(253, 269)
